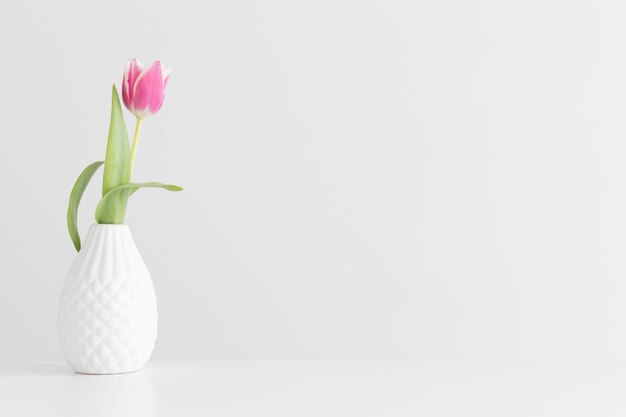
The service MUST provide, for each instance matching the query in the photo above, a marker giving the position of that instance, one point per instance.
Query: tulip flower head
(143, 90)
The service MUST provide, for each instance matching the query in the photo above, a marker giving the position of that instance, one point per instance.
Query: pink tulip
(143, 90)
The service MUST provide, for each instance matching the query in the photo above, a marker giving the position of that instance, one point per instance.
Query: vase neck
(107, 235)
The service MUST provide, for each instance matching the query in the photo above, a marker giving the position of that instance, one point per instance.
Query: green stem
(135, 142)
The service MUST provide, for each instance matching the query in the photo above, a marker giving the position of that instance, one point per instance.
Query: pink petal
(131, 73)
(125, 88)
(148, 91)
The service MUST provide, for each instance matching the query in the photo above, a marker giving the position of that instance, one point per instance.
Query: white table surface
(318, 388)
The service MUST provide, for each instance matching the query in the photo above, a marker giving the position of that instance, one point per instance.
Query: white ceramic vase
(107, 318)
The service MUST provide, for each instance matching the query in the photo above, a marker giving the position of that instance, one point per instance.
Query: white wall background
(434, 179)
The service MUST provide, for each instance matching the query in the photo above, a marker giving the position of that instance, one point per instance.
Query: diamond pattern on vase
(107, 318)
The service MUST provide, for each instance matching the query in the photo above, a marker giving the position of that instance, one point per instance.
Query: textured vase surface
(107, 318)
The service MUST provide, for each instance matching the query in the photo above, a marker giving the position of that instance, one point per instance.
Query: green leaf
(116, 166)
(127, 190)
(75, 196)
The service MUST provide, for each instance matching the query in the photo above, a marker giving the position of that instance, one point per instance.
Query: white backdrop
(434, 179)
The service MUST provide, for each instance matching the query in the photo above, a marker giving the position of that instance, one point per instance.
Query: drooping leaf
(75, 197)
(116, 166)
(127, 190)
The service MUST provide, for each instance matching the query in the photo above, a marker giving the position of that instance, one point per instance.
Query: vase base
(108, 373)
